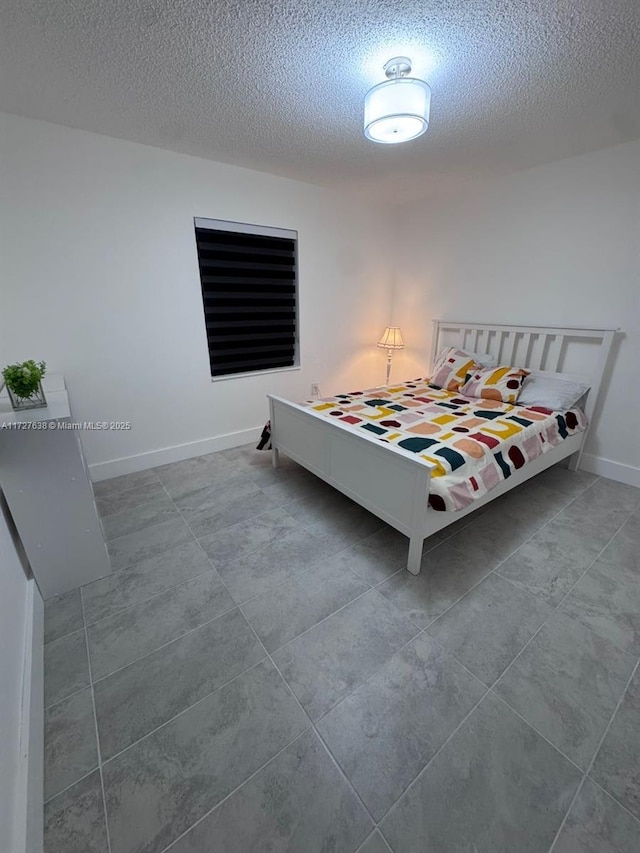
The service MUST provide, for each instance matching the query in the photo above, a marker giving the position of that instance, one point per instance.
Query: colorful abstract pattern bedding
(474, 443)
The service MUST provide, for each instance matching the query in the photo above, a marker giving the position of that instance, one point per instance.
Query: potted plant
(24, 384)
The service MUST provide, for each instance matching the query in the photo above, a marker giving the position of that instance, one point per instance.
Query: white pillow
(555, 391)
(484, 358)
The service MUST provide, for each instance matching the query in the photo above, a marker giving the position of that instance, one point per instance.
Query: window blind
(249, 293)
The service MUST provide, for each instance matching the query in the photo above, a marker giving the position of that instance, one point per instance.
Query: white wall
(555, 245)
(100, 279)
(13, 621)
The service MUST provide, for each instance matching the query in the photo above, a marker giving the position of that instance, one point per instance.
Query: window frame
(207, 223)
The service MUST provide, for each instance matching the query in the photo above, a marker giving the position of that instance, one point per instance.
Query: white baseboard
(28, 813)
(608, 468)
(153, 458)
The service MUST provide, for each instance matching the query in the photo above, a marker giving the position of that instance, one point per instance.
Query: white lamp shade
(391, 338)
(397, 110)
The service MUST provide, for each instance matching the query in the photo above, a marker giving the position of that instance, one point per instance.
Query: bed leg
(415, 554)
(275, 457)
(574, 461)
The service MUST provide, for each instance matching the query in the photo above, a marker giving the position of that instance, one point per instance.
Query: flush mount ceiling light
(398, 109)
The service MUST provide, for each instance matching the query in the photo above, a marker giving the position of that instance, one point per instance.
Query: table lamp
(390, 340)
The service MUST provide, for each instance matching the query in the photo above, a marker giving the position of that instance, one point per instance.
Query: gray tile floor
(260, 673)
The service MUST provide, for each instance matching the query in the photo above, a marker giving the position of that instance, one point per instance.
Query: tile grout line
(231, 793)
(241, 475)
(128, 488)
(372, 834)
(595, 755)
(168, 643)
(482, 509)
(453, 657)
(95, 721)
(403, 568)
(433, 757)
(68, 787)
(333, 613)
(155, 523)
(299, 574)
(254, 515)
(611, 797)
(122, 610)
(183, 711)
(626, 521)
(343, 775)
(123, 492)
(537, 731)
(69, 633)
(64, 637)
(179, 516)
(68, 696)
(306, 631)
(418, 630)
(314, 565)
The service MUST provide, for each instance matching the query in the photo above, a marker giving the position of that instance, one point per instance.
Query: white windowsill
(255, 373)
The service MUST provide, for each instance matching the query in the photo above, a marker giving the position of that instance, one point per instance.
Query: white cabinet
(47, 487)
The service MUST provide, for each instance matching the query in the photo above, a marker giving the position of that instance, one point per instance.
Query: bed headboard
(581, 353)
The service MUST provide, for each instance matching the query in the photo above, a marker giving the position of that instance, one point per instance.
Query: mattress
(473, 444)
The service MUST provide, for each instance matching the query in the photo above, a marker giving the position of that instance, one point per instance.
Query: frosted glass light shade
(391, 338)
(397, 110)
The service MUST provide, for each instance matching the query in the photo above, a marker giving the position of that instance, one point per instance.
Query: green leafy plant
(24, 379)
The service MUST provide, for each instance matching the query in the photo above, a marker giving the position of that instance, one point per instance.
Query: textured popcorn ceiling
(278, 85)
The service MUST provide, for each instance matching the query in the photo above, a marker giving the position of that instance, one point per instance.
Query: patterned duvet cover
(473, 443)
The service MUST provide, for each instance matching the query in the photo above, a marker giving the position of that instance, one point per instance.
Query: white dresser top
(57, 408)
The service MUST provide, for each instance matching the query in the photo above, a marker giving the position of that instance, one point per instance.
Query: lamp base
(388, 364)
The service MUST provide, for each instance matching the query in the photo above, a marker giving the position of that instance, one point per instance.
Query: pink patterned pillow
(496, 383)
(451, 368)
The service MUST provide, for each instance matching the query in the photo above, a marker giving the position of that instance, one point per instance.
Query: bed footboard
(379, 477)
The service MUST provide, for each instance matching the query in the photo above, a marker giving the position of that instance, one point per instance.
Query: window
(249, 290)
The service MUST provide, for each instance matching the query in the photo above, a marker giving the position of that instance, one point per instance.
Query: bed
(402, 487)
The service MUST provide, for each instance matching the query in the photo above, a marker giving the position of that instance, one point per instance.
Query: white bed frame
(393, 483)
